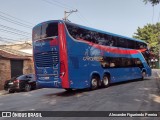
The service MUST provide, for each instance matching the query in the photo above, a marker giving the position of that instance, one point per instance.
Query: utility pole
(69, 13)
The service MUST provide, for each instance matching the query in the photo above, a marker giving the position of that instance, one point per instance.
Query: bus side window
(113, 41)
(105, 62)
(140, 45)
(112, 64)
(102, 39)
(131, 44)
(138, 63)
(121, 42)
(107, 39)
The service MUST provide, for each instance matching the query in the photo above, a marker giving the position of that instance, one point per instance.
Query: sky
(121, 17)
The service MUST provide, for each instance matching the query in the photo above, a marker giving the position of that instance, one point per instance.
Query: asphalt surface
(129, 96)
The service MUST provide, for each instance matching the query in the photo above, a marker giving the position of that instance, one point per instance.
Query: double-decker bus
(71, 56)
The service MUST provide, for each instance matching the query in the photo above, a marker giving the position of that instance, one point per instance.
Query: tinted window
(32, 77)
(121, 42)
(113, 41)
(103, 39)
(45, 30)
(108, 38)
(49, 30)
(25, 77)
(131, 44)
(36, 33)
(126, 62)
(22, 77)
(81, 33)
(121, 62)
(140, 45)
(138, 62)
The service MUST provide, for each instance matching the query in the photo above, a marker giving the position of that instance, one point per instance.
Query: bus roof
(93, 29)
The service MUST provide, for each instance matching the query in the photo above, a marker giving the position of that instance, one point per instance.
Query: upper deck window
(45, 30)
(121, 42)
(140, 45)
(36, 33)
(78, 33)
(131, 44)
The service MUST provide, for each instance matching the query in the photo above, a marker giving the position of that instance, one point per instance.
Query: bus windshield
(45, 30)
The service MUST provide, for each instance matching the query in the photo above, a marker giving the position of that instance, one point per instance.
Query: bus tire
(105, 81)
(68, 89)
(143, 75)
(94, 83)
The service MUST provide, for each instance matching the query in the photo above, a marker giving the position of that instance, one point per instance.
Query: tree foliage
(150, 33)
(153, 2)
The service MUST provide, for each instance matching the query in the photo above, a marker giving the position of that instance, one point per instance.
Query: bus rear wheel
(105, 81)
(68, 89)
(94, 83)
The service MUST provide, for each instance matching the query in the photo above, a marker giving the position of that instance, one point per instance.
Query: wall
(28, 66)
(5, 71)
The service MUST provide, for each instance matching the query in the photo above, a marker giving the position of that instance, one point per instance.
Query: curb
(158, 79)
(157, 72)
(3, 92)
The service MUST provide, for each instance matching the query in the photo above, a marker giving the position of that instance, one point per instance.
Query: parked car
(20, 83)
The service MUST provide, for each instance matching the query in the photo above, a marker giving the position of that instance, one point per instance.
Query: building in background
(22, 47)
(14, 62)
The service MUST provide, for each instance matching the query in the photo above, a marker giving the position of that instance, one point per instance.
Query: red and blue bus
(71, 56)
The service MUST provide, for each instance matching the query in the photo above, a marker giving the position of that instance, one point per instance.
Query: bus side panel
(78, 66)
(82, 65)
(136, 73)
(119, 74)
(122, 74)
(78, 72)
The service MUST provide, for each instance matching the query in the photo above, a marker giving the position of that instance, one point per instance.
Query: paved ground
(129, 96)
(157, 71)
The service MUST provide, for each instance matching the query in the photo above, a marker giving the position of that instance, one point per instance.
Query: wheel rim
(143, 74)
(94, 83)
(9, 90)
(27, 87)
(105, 81)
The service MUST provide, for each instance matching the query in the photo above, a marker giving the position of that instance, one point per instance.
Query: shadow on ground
(77, 91)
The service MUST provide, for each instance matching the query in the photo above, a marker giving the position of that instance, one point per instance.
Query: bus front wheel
(105, 81)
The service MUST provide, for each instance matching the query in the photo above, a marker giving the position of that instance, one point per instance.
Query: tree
(153, 2)
(150, 33)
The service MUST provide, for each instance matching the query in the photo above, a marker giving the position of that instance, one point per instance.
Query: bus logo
(45, 71)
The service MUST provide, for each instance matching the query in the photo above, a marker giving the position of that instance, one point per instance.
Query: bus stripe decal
(111, 50)
(63, 54)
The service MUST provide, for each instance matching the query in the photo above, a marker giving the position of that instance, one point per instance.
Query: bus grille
(46, 59)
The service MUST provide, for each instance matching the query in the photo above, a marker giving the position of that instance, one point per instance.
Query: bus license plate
(44, 78)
